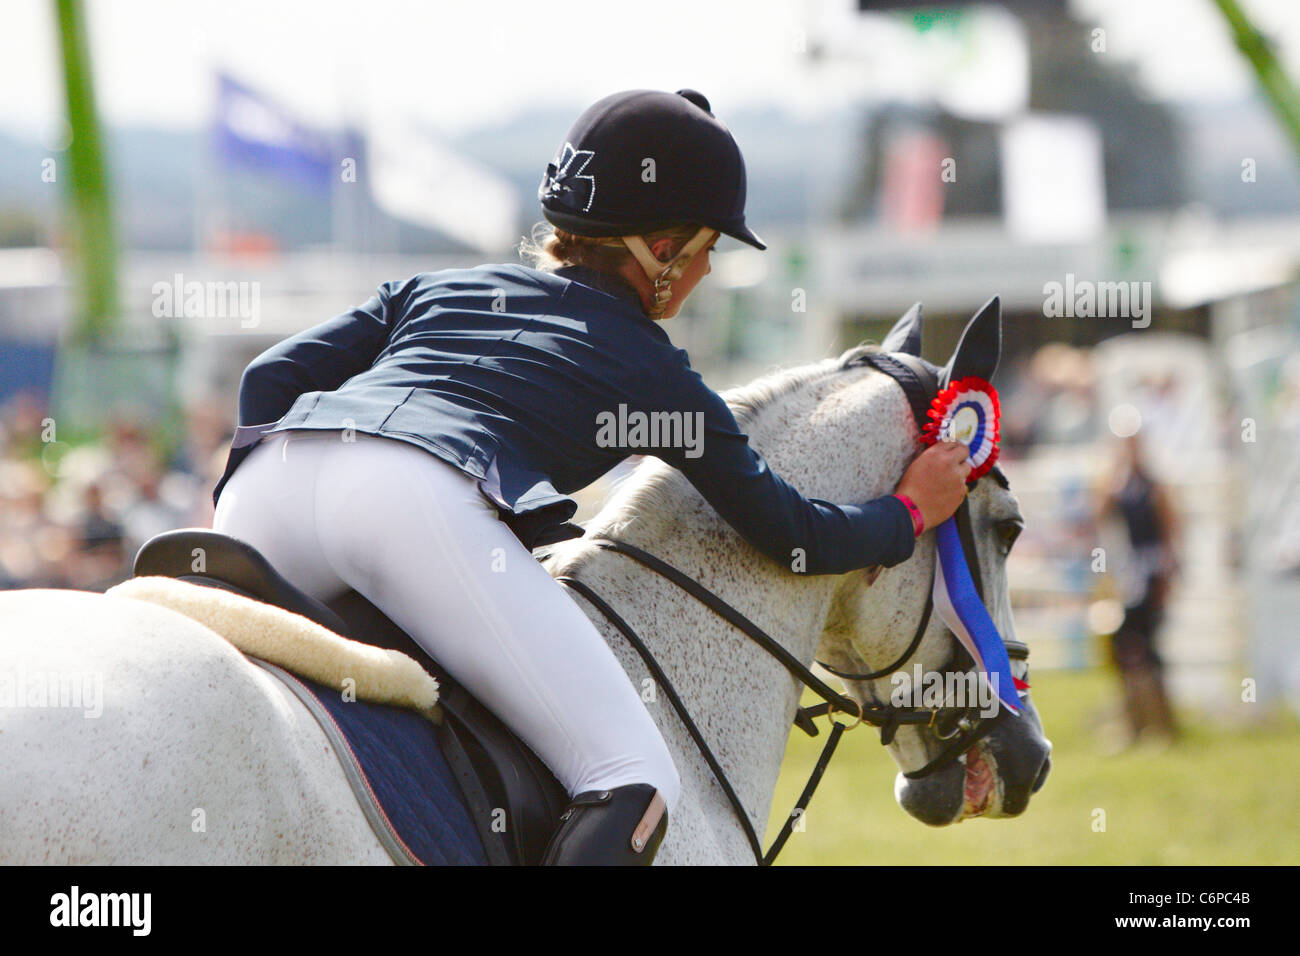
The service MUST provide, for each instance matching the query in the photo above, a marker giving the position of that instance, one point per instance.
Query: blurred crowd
(74, 515)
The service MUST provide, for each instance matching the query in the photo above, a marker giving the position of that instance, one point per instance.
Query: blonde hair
(549, 248)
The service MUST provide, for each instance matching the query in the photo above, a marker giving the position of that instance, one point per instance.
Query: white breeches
(417, 538)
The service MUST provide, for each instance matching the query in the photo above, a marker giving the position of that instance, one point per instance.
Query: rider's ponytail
(550, 248)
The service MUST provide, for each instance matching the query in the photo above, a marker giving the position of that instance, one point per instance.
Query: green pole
(1256, 48)
(94, 243)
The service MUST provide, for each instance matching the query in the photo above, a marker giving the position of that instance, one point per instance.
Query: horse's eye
(1008, 531)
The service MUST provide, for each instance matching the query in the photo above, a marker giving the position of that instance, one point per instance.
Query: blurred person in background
(1058, 401)
(157, 507)
(22, 495)
(80, 527)
(102, 560)
(208, 429)
(1151, 524)
(22, 425)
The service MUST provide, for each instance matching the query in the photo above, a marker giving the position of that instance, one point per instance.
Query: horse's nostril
(1042, 774)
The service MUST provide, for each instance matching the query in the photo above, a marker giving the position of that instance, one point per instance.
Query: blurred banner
(970, 59)
(419, 180)
(253, 131)
(1053, 178)
(911, 194)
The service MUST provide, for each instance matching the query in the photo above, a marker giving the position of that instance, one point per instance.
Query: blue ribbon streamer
(974, 615)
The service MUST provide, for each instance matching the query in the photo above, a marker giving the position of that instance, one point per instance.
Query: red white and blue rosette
(967, 411)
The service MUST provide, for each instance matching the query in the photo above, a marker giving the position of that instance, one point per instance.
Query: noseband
(967, 725)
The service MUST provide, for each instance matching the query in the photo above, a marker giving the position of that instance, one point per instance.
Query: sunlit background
(294, 155)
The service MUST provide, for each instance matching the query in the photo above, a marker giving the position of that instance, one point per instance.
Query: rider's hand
(936, 481)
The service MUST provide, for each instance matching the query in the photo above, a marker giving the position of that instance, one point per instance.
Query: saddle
(494, 769)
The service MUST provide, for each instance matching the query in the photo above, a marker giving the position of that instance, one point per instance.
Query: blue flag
(253, 131)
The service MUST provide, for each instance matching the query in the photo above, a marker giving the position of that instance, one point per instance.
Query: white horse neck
(739, 696)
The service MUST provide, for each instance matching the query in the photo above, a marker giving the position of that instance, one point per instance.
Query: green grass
(1223, 795)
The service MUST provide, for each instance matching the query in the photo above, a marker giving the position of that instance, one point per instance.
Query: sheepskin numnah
(293, 642)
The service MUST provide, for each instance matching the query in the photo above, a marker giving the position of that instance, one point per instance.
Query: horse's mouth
(993, 779)
(979, 784)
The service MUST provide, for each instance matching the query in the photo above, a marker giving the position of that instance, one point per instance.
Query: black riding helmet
(643, 160)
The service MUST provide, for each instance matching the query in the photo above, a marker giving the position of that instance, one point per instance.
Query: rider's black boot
(619, 827)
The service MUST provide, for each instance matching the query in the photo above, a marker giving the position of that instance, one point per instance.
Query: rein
(887, 717)
(919, 383)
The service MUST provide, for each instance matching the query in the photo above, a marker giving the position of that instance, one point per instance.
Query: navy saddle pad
(391, 756)
(465, 790)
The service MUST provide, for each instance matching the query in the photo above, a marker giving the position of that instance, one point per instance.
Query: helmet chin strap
(662, 274)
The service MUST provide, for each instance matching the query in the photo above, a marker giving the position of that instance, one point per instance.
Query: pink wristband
(918, 522)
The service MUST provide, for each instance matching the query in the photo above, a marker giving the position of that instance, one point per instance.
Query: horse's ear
(905, 336)
(980, 346)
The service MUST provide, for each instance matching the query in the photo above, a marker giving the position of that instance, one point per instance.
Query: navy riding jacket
(531, 382)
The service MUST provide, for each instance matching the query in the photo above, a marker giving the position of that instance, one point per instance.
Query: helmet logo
(565, 175)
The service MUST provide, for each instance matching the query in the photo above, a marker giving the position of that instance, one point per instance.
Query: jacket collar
(601, 282)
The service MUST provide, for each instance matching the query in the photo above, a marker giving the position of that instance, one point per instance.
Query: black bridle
(962, 727)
